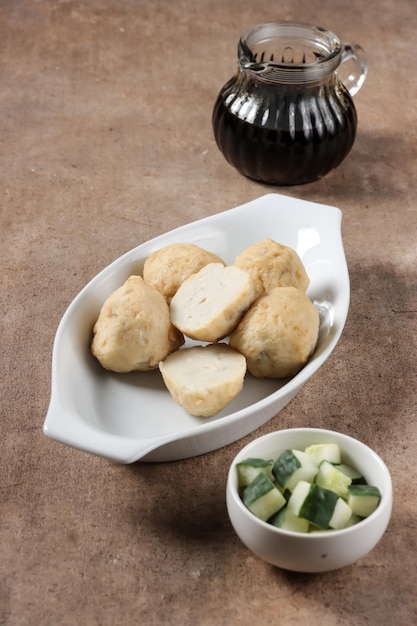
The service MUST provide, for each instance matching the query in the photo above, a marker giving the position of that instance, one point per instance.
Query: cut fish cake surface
(210, 303)
(204, 379)
(167, 268)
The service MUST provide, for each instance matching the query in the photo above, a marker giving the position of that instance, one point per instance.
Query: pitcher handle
(357, 67)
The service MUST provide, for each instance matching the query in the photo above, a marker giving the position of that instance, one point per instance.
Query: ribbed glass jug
(286, 117)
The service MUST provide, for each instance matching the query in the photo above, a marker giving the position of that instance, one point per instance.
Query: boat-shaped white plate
(127, 417)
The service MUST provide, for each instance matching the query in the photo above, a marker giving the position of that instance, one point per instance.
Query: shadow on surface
(364, 174)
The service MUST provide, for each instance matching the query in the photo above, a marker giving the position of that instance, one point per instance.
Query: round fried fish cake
(134, 330)
(271, 265)
(278, 333)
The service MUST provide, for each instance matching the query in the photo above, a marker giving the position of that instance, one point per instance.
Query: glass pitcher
(286, 117)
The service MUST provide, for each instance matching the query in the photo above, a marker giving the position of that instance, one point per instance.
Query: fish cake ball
(134, 330)
(278, 334)
(166, 269)
(271, 265)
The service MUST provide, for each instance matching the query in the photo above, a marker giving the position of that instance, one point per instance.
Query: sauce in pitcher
(285, 123)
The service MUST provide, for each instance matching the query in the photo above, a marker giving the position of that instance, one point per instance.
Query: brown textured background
(105, 142)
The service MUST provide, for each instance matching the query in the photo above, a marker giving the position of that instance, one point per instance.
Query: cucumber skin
(363, 499)
(318, 507)
(262, 498)
(249, 469)
(285, 466)
(267, 505)
(365, 490)
(287, 520)
(293, 466)
(260, 486)
(255, 463)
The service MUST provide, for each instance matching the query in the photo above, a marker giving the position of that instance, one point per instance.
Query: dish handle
(66, 426)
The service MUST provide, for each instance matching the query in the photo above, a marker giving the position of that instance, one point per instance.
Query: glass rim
(299, 31)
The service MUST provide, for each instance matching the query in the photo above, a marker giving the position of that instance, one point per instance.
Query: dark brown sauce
(282, 155)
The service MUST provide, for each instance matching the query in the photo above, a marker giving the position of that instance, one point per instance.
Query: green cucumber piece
(262, 497)
(330, 477)
(354, 475)
(354, 519)
(363, 499)
(287, 520)
(291, 467)
(321, 507)
(341, 515)
(324, 452)
(248, 470)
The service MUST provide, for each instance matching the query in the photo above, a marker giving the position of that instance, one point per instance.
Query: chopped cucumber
(298, 497)
(354, 519)
(291, 467)
(249, 469)
(341, 515)
(330, 477)
(363, 499)
(321, 507)
(324, 452)
(356, 477)
(287, 520)
(307, 491)
(262, 497)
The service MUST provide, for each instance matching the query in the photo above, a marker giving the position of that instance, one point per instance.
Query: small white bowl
(313, 552)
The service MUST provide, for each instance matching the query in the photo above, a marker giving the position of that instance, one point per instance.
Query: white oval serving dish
(127, 417)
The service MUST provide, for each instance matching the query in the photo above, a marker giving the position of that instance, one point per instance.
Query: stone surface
(105, 142)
